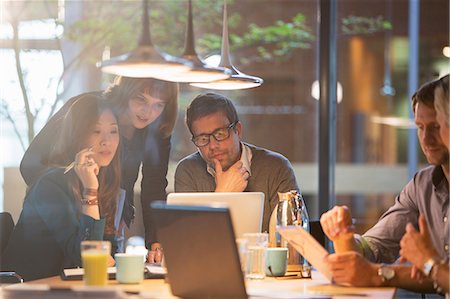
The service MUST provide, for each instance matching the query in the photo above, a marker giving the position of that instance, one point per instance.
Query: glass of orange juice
(94, 256)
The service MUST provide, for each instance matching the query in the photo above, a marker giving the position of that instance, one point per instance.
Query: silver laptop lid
(246, 208)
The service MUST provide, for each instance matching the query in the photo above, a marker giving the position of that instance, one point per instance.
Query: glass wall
(372, 119)
(277, 40)
(31, 66)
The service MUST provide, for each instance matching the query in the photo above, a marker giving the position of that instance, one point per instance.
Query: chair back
(317, 232)
(6, 228)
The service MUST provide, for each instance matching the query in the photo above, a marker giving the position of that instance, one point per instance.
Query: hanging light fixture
(387, 89)
(238, 80)
(145, 61)
(200, 72)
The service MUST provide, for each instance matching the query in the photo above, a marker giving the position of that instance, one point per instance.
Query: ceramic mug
(130, 267)
(276, 261)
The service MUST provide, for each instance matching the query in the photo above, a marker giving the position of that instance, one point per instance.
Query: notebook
(246, 208)
(200, 251)
(150, 271)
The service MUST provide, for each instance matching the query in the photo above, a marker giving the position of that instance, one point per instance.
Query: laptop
(246, 208)
(200, 251)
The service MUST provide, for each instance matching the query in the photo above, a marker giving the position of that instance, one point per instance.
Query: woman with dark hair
(147, 111)
(75, 199)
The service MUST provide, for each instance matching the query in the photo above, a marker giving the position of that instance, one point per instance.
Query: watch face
(428, 266)
(387, 272)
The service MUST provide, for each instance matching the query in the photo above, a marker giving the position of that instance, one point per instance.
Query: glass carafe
(291, 210)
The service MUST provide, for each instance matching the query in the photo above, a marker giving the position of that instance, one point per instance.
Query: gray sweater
(271, 173)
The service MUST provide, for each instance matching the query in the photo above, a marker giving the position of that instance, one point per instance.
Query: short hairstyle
(124, 89)
(424, 95)
(442, 97)
(209, 103)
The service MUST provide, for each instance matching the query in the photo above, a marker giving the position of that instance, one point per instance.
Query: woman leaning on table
(416, 246)
(147, 111)
(63, 208)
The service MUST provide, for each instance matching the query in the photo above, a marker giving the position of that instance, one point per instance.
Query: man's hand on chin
(234, 179)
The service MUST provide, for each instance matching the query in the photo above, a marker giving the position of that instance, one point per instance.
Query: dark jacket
(147, 147)
(47, 236)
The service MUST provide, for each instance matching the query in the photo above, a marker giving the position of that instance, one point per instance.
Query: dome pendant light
(238, 80)
(200, 72)
(145, 61)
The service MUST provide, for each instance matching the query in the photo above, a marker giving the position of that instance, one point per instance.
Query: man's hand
(337, 224)
(417, 274)
(235, 179)
(416, 246)
(351, 268)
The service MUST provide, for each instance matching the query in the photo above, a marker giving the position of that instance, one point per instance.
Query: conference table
(285, 287)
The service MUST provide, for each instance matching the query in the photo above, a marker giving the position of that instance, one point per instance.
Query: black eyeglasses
(218, 134)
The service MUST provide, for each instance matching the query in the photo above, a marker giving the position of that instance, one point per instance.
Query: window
(274, 39)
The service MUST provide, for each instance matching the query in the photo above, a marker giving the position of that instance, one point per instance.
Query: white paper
(80, 271)
(155, 269)
(308, 247)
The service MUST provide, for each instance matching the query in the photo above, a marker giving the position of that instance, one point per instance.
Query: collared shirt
(246, 159)
(270, 173)
(427, 194)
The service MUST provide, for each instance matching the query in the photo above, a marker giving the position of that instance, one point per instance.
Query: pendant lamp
(145, 61)
(387, 89)
(238, 80)
(200, 71)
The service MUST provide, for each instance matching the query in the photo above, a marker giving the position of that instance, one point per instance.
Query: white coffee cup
(130, 267)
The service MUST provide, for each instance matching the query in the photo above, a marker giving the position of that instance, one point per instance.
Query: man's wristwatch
(386, 273)
(428, 266)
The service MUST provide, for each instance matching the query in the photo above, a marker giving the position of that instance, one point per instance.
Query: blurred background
(49, 48)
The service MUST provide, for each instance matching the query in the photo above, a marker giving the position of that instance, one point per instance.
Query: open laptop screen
(246, 208)
(200, 251)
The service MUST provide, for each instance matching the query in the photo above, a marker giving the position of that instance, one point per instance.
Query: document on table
(77, 273)
(150, 271)
(307, 246)
(156, 269)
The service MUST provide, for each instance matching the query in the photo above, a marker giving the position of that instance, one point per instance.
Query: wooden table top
(268, 287)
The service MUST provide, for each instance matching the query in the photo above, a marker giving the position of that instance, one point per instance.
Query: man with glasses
(223, 163)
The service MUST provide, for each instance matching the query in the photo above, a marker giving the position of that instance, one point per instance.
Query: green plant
(352, 25)
(168, 21)
(118, 26)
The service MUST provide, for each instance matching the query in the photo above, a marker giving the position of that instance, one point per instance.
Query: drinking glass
(256, 255)
(241, 244)
(94, 256)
